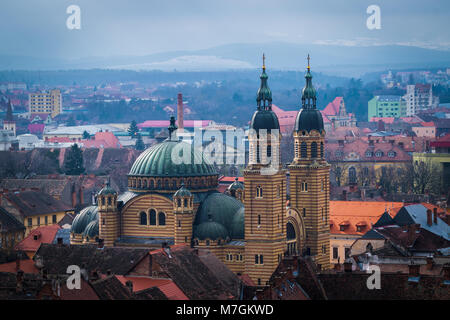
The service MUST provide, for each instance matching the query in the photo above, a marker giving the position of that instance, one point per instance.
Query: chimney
(429, 218)
(347, 266)
(435, 215)
(180, 112)
(60, 241)
(412, 232)
(129, 285)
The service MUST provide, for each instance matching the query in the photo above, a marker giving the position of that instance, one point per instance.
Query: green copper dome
(157, 161)
(237, 225)
(220, 209)
(91, 230)
(182, 192)
(210, 230)
(107, 190)
(83, 219)
(264, 119)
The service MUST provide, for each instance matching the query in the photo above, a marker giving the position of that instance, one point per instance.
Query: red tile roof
(358, 213)
(167, 286)
(45, 234)
(26, 266)
(333, 107)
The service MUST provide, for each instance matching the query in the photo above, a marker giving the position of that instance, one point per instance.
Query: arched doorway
(295, 232)
(291, 239)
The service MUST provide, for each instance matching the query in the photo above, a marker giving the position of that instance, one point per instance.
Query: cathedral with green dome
(250, 226)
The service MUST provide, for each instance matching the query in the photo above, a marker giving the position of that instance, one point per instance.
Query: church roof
(157, 161)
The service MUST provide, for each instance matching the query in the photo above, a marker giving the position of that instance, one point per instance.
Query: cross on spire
(264, 61)
(308, 58)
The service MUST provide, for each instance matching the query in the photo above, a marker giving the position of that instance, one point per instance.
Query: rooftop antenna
(308, 58)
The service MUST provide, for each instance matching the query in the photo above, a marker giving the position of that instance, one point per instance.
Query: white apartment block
(419, 97)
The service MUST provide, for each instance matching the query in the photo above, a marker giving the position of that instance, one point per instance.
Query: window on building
(178, 202)
(46, 220)
(314, 150)
(304, 212)
(185, 203)
(259, 192)
(259, 219)
(321, 149)
(30, 222)
(324, 249)
(54, 218)
(304, 186)
(335, 252)
(152, 216)
(143, 219)
(352, 175)
(38, 221)
(162, 218)
(303, 150)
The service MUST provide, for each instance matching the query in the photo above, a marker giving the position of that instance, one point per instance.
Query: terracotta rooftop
(44, 234)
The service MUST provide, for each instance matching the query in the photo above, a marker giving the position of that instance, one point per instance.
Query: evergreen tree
(86, 135)
(139, 143)
(74, 162)
(133, 129)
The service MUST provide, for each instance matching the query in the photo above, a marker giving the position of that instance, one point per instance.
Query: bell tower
(183, 209)
(309, 176)
(264, 191)
(9, 123)
(109, 217)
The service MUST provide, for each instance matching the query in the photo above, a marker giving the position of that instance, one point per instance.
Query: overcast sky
(139, 27)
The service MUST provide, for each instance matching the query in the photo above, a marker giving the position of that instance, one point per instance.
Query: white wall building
(419, 97)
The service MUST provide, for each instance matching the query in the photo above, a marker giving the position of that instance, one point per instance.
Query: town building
(386, 106)
(175, 203)
(45, 103)
(336, 116)
(419, 97)
(12, 230)
(34, 208)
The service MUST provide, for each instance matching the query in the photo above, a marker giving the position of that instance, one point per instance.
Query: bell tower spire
(264, 95)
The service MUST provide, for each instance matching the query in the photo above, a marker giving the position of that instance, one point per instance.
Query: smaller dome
(236, 185)
(237, 225)
(91, 230)
(210, 230)
(264, 119)
(82, 220)
(309, 119)
(182, 192)
(107, 190)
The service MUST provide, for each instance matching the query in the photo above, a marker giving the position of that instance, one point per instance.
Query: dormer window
(391, 154)
(369, 154)
(378, 154)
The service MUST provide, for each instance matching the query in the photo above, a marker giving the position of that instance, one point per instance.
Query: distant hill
(330, 59)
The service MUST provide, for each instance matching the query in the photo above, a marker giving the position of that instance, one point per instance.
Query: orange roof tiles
(26, 266)
(45, 234)
(167, 286)
(358, 213)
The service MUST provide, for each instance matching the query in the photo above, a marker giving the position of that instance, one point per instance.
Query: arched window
(158, 184)
(143, 219)
(162, 218)
(139, 183)
(304, 186)
(152, 215)
(321, 149)
(144, 184)
(259, 219)
(152, 184)
(179, 202)
(290, 231)
(303, 150)
(259, 192)
(296, 149)
(185, 202)
(352, 175)
(314, 150)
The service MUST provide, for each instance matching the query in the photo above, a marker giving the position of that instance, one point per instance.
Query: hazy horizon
(139, 27)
